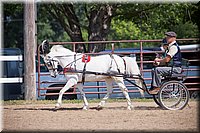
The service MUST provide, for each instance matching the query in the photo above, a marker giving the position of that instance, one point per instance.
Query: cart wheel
(173, 95)
(155, 98)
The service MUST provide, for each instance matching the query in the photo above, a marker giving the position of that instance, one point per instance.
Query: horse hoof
(58, 105)
(85, 108)
(130, 108)
(55, 109)
(99, 107)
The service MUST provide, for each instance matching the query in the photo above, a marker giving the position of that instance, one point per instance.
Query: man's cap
(171, 34)
(164, 41)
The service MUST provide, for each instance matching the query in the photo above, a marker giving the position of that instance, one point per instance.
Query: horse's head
(52, 65)
(51, 57)
(50, 61)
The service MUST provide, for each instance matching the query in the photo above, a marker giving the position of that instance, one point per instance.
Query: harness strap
(83, 75)
(111, 56)
(135, 76)
(85, 59)
(110, 63)
(124, 65)
(73, 62)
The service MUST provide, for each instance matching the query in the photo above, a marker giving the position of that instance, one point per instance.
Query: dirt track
(146, 117)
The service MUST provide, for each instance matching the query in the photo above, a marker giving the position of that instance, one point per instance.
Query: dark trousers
(159, 72)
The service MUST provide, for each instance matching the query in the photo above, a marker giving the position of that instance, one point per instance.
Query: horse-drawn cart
(173, 94)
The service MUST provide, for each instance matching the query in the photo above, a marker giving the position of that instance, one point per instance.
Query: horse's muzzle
(54, 74)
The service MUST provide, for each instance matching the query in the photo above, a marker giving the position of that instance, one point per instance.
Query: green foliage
(128, 30)
(171, 17)
(13, 25)
(186, 30)
(151, 21)
(14, 9)
(124, 30)
(49, 28)
(45, 31)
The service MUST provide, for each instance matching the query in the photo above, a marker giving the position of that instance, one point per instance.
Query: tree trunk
(99, 25)
(75, 30)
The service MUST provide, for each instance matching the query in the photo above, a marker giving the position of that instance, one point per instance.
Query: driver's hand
(156, 62)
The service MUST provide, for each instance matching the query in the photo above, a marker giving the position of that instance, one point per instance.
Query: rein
(72, 61)
(67, 55)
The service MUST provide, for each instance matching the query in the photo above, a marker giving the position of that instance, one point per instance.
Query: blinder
(51, 64)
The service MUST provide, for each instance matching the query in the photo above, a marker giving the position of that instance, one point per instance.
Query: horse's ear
(44, 48)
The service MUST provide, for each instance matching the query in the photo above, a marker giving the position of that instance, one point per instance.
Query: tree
(195, 15)
(13, 25)
(102, 21)
(149, 21)
(99, 18)
(48, 27)
(98, 21)
(65, 14)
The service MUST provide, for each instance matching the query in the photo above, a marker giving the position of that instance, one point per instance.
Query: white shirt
(172, 49)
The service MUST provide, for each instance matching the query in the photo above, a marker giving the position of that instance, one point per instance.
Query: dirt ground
(146, 116)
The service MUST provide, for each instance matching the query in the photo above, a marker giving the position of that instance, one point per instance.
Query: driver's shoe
(154, 90)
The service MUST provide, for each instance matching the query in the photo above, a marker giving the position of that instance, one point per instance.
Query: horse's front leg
(70, 83)
(109, 92)
(80, 87)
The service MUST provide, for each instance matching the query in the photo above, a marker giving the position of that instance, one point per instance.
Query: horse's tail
(133, 68)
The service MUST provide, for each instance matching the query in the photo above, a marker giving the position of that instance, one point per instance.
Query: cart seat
(179, 76)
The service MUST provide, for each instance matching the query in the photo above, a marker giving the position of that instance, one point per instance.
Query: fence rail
(11, 79)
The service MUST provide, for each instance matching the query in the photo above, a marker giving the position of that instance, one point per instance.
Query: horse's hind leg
(80, 87)
(122, 86)
(109, 91)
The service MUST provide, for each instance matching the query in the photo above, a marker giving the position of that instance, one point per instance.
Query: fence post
(29, 50)
(141, 58)
(74, 47)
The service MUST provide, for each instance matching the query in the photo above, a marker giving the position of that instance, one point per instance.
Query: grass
(28, 102)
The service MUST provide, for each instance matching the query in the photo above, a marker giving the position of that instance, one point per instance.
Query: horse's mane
(61, 50)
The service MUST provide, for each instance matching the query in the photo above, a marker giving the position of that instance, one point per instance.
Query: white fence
(11, 79)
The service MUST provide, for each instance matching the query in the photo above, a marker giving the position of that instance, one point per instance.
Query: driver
(172, 60)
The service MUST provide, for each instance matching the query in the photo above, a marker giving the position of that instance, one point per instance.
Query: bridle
(51, 62)
(52, 65)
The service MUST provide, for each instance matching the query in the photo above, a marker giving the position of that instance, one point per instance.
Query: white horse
(98, 64)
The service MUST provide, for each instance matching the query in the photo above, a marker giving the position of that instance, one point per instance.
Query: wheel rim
(155, 98)
(173, 95)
